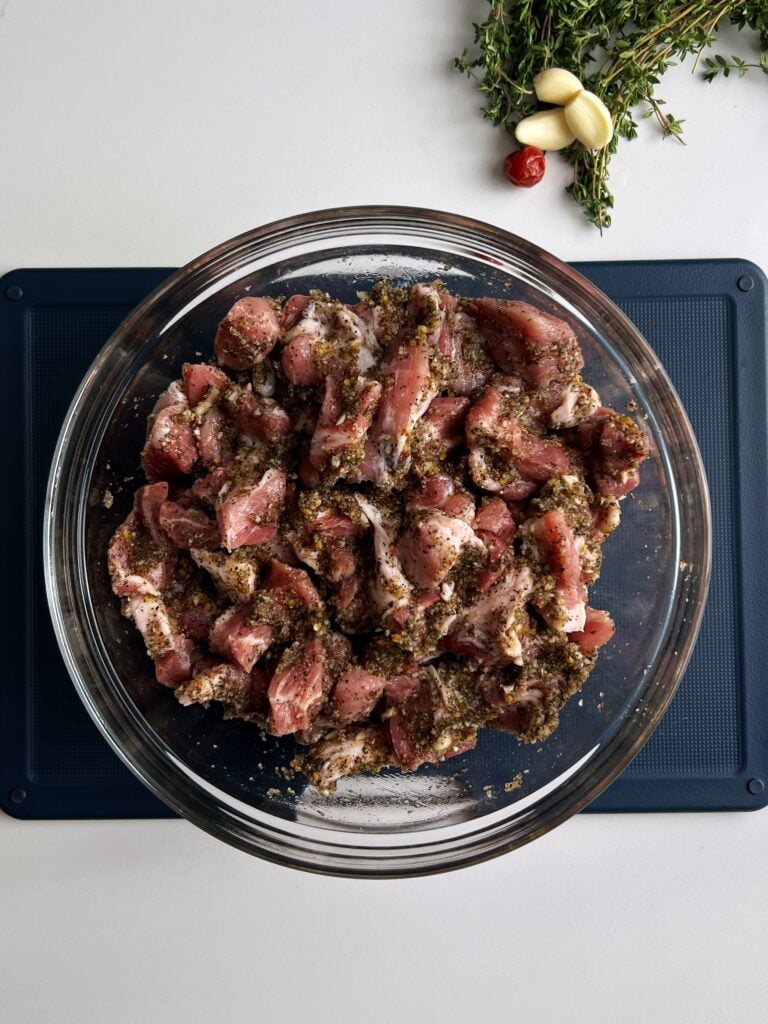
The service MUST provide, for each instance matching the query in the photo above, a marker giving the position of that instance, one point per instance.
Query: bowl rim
(67, 589)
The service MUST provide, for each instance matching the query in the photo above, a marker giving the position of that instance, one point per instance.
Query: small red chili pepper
(525, 167)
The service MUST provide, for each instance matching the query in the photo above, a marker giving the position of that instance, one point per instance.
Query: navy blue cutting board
(707, 322)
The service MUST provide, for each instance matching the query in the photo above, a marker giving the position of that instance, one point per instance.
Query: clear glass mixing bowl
(225, 776)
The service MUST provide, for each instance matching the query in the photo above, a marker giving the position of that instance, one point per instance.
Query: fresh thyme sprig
(719, 65)
(619, 48)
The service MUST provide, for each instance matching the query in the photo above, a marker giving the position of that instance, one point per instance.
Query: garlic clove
(590, 120)
(556, 85)
(546, 129)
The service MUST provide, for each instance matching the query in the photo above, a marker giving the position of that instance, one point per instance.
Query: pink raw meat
(249, 513)
(170, 450)
(148, 502)
(175, 666)
(527, 341)
(248, 333)
(445, 420)
(295, 582)
(293, 309)
(557, 547)
(261, 418)
(187, 527)
(212, 441)
(199, 378)
(355, 694)
(338, 433)
(599, 627)
(238, 638)
(297, 689)
(431, 546)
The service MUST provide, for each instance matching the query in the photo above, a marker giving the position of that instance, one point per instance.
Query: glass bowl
(225, 776)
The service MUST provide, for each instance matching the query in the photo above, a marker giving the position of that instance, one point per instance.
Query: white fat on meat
(350, 751)
(607, 516)
(391, 589)
(135, 584)
(174, 394)
(153, 622)
(234, 574)
(312, 324)
(481, 473)
(578, 403)
(430, 548)
(494, 622)
(263, 379)
(573, 619)
(356, 337)
(589, 556)
(512, 595)
(343, 330)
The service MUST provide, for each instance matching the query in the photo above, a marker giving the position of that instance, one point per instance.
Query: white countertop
(143, 133)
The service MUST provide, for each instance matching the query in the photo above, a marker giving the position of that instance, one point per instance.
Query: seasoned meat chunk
(170, 450)
(355, 695)
(236, 574)
(337, 445)
(431, 546)
(203, 381)
(351, 751)
(187, 527)
(614, 447)
(409, 384)
(299, 686)
(327, 337)
(599, 627)
(258, 418)
(221, 682)
(137, 565)
(494, 627)
(503, 457)
(526, 341)
(248, 513)
(248, 333)
(238, 638)
(559, 594)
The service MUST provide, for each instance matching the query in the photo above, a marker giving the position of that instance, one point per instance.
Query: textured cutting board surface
(706, 321)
